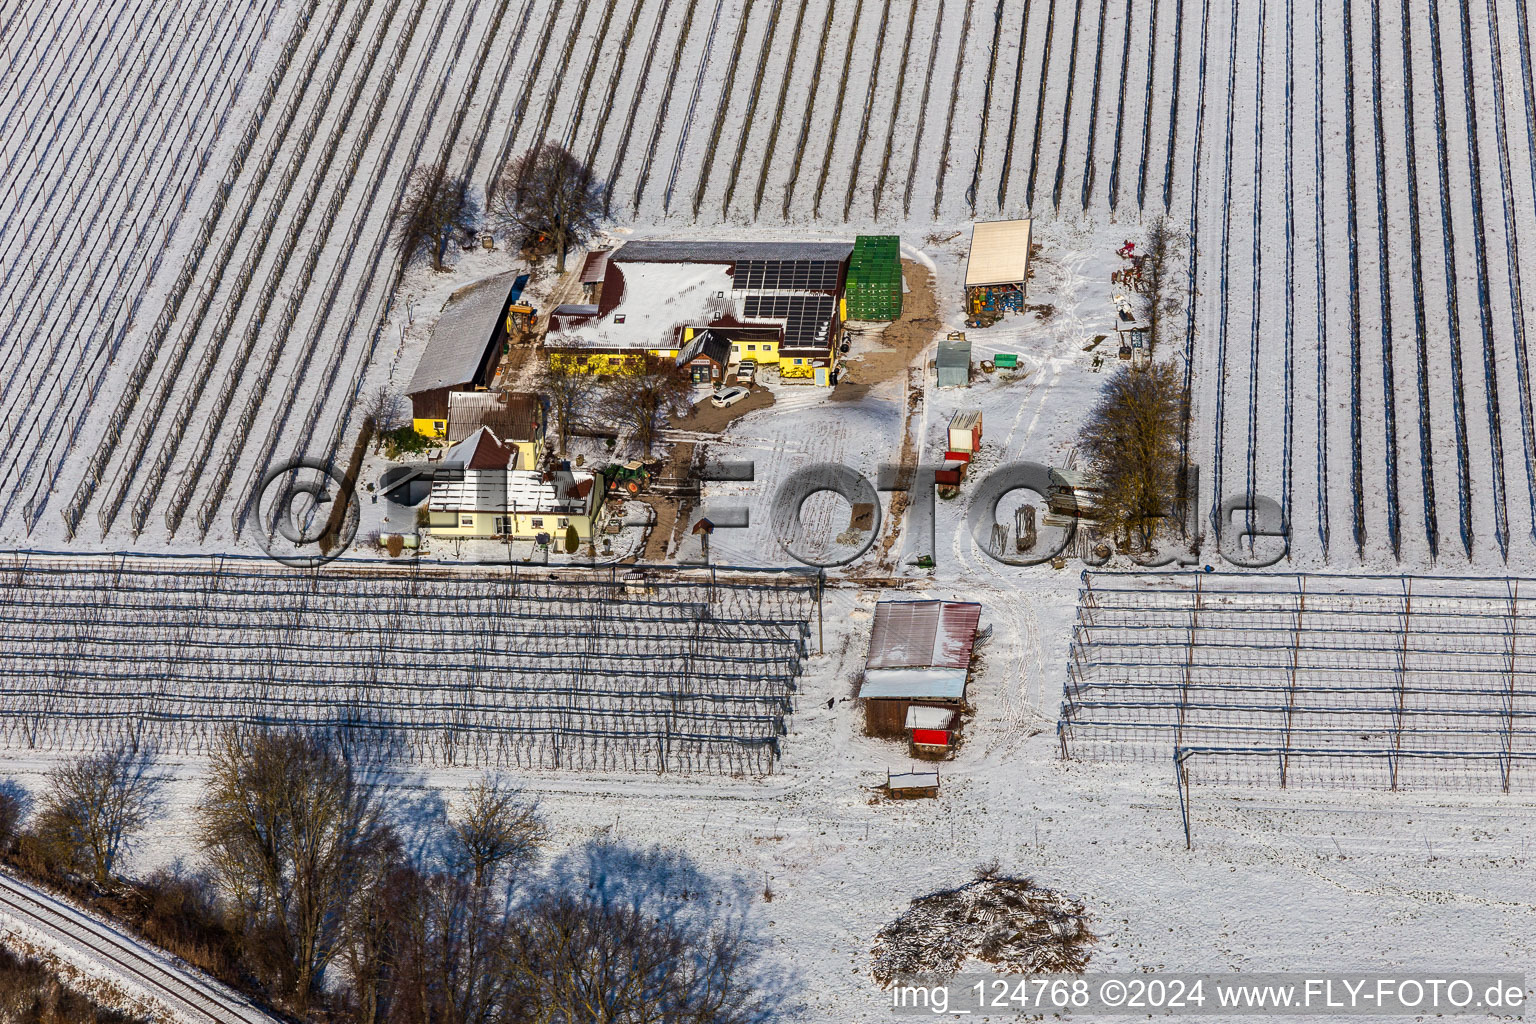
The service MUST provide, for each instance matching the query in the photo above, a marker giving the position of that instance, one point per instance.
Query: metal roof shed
(999, 254)
(920, 649)
(465, 345)
(954, 363)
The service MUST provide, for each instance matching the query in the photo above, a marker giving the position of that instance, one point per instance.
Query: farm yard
(200, 282)
(180, 318)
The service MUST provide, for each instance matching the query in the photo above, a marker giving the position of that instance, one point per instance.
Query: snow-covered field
(200, 281)
(1359, 344)
(197, 282)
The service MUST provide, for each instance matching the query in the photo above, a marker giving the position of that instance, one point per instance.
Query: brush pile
(1005, 922)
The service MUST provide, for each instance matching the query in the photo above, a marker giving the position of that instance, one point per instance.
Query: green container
(1006, 361)
(873, 290)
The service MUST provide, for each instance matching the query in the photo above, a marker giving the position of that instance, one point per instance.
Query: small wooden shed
(998, 268)
(912, 785)
(965, 431)
(919, 654)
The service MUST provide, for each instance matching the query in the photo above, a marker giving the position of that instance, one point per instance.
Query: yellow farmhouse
(481, 492)
(775, 303)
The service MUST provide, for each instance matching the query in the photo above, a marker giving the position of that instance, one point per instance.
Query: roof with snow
(463, 334)
(658, 251)
(923, 634)
(919, 717)
(912, 780)
(999, 253)
(914, 684)
(657, 299)
(514, 490)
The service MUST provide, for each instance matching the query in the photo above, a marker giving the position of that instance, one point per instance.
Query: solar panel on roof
(806, 317)
(787, 275)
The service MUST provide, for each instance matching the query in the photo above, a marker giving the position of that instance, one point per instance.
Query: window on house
(466, 520)
(799, 361)
(538, 523)
(563, 522)
(751, 348)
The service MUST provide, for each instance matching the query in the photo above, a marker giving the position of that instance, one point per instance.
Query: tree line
(546, 202)
(331, 892)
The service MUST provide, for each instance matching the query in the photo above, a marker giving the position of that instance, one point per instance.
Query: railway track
(191, 999)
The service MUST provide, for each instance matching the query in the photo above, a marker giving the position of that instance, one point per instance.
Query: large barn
(774, 302)
(464, 349)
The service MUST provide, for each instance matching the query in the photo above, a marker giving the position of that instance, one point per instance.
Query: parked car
(730, 396)
(746, 371)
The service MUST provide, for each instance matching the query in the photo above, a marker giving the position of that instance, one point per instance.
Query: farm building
(931, 730)
(997, 269)
(773, 302)
(516, 417)
(953, 363)
(965, 432)
(705, 357)
(592, 273)
(490, 496)
(874, 279)
(919, 656)
(464, 349)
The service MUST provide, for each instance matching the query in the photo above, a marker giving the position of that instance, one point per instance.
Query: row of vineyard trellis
(600, 670)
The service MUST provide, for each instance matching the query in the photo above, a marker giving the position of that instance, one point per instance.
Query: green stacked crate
(874, 278)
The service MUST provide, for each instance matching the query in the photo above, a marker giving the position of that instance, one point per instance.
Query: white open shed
(997, 267)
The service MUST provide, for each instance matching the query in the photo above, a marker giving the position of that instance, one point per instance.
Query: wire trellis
(1391, 681)
(641, 669)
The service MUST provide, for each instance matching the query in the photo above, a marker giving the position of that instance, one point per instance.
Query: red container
(931, 737)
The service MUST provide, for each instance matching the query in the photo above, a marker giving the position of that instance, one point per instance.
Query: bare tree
(447, 951)
(1132, 444)
(436, 205)
(294, 830)
(576, 958)
(548, 200)
(383, 405)
(496, 825)
(95, 807)
(1164, 297)
(643, 395)
(567, 388)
